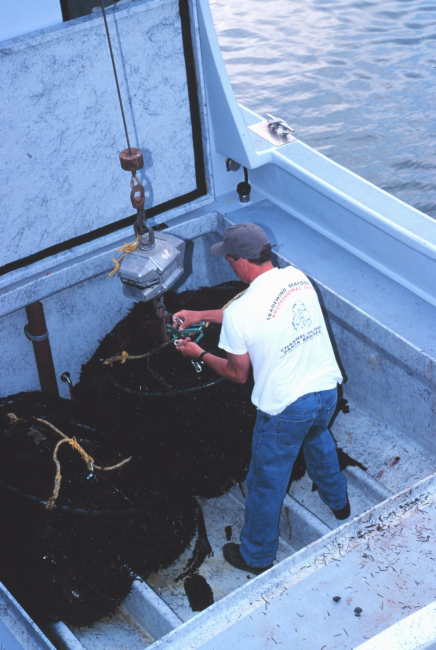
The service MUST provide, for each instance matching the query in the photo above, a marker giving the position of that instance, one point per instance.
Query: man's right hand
(188, 318)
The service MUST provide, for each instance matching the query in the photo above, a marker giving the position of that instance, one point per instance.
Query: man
(277, 326)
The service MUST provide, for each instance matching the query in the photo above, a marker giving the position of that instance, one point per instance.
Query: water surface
(356, 79)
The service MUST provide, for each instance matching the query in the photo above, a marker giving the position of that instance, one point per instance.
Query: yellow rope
(125, 249)
(233, 299)
(75, 445)
(124, 356)
(58, 478)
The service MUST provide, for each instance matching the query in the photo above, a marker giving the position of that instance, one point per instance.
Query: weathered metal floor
(222, 578)
(382, 570)
(120, 632)
(17, 630)
(373, 569)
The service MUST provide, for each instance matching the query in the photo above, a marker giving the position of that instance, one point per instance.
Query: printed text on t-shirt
(287, 291)
(299, 340)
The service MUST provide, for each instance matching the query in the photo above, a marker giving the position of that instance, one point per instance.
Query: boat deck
(221, 577)
(382, 571)
(17, 630)
(379, 560)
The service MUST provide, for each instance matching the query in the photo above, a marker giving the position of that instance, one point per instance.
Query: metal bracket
(231, 165)
(34, 338)
(66, 378)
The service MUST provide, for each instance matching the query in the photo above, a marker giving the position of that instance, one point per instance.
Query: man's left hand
(188, 349)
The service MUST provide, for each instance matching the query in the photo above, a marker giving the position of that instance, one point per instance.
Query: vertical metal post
(36, 331)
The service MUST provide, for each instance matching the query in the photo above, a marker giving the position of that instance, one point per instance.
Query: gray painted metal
(63, 137)
(305, 525)
(221, 577)
(367, 484)
(17, 630)
(415, 632)
(299, 525)
(373, 260)
(7, 639)
(353, 560)
(143, 617)
(150, 612)
(64, 637)
(117, 632)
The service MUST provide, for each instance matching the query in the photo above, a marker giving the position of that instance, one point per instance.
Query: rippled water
(357, 81)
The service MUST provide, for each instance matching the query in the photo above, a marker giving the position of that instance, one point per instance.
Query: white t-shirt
(279, 322)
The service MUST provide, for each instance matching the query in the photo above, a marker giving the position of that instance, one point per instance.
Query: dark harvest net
(187, 435)
(186, 429)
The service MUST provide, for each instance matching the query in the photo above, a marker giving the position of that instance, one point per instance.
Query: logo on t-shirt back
(292, 287)
(301, 317)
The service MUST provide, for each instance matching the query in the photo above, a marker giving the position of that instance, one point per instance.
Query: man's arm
(235, 368)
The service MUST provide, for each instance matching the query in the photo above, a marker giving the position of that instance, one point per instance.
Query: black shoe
(233, 556)
(342, 513)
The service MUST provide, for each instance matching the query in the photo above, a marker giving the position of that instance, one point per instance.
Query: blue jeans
(276, 443)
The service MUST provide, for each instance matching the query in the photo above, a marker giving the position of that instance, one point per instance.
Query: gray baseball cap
(243, 240)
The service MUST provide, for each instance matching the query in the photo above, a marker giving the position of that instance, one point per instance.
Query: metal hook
(92, 473)
(197, 365)
(66, 378)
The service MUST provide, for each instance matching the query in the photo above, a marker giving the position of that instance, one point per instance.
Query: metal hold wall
(61, 128)
(80, 316)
